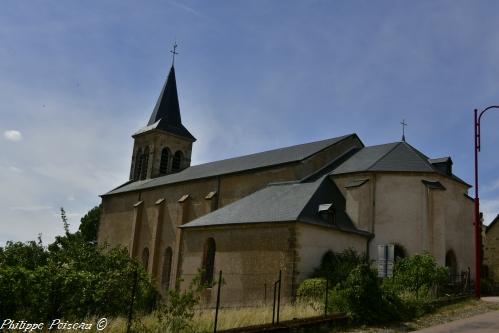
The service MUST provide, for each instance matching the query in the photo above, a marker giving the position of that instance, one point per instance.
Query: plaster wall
(399, 209)
(313, 241)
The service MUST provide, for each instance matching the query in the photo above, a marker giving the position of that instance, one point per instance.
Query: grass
(227, 318)
(240, 317)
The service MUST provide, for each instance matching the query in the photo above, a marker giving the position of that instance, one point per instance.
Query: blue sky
(77, 78)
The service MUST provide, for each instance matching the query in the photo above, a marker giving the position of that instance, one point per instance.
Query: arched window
(137, 164)
(167, 268)
(208, 261)
(144, 164)
(177, 161)
(145, 257)
(398, 252)
(451, 263)
(163, 164)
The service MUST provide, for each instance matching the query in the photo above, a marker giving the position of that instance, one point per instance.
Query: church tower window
(163, 165)
(137, 164)
(145, 257)
(177, 161)
(144, 163)
(167, 267)
(208, 261)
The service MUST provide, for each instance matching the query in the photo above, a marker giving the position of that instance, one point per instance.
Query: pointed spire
(167, 109)
(167, 106)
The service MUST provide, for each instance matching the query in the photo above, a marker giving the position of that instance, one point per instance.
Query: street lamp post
(477, 223)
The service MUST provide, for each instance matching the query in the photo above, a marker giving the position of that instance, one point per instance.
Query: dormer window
(326, 212)
(442, 164)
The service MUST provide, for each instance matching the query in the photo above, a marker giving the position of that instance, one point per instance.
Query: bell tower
(164, 146)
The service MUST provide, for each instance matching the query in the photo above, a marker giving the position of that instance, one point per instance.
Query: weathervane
(174, 52)
(404, 124)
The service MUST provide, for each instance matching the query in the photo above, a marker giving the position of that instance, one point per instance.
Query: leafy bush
(71, 279)
(362, 297)
(176, 312)
(418, 274)
(337, 266)
(311, 290)
(486, 286)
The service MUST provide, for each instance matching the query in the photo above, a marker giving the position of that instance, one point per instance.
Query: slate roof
(394, 157)
(166, 113)
(440, 160)
(236, 164)
(492, 224)
(284, 202)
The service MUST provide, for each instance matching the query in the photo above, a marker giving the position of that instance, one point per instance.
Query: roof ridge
(339, 138)
(385, 154)
(425, 158)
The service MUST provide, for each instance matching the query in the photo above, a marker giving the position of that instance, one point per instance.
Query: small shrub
(486, 286)
(176, 313)
(362, 297)
(418, 274)
(336, 266)
(311, 290)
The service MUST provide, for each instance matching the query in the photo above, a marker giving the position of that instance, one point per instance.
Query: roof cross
(174, 52)
(404, 124)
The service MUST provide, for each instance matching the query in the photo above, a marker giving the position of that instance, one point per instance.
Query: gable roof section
(274, 203)
(397, 156)
(394, 157)
(236, 164)
(285, 202)
(491, 225)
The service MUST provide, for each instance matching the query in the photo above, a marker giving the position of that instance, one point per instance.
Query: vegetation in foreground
(447, 313)
(413, 290)
(74, 278)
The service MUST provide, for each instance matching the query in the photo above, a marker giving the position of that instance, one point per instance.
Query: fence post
(279, 297)
(130, 311)
(265, 293)
(273, 305)
(218, 302)
(327, 291)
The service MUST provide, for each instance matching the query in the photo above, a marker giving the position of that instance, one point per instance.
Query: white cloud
(13, 135)
(15, 169)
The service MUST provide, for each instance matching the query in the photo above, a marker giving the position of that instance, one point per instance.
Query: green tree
(89, 225)
(71, 278)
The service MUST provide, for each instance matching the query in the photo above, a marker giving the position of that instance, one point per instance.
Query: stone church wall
(150, 218)
(457, 212)
(250, 257)
(408, 213)
(433, 220)
(491, 252)
(359, 199)
(313, 241)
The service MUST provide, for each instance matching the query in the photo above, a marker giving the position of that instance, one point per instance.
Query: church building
(275, 211)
